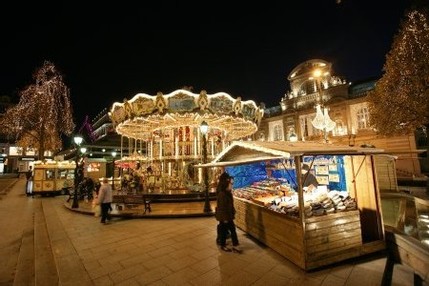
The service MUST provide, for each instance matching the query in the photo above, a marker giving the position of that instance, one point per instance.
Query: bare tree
(43, 113)
(399, 104)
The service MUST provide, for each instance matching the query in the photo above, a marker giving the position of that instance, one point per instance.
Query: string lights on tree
(43, 113)
(399, 103)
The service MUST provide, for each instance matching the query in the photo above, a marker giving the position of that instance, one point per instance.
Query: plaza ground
(43, 242)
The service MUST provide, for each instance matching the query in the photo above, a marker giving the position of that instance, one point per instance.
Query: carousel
(167, 134)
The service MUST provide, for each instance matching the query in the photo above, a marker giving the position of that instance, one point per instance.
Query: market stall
(312, 226)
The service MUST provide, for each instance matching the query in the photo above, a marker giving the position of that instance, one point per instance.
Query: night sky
(108, 53)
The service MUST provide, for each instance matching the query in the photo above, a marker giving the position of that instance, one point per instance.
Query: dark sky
(110, 52)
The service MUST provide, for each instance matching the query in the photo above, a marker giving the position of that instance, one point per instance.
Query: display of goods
(280, 197)
(269, 184)
(242, 193)
(264, 201)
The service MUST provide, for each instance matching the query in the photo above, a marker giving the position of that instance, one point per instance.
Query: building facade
(321, 106)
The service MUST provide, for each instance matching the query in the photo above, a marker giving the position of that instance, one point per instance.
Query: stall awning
(241, 152)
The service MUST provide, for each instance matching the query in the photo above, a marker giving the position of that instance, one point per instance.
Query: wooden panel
(373, 247)
(330, 246)
(319, 261)
(333, 229)
(48, 186)
(399, 144)
(332, 238)
(366, 197)
(37, 186)
(280, 233)
(385, 169)
(407, 250)
(329, 238)
(39, 174)
(328, 221)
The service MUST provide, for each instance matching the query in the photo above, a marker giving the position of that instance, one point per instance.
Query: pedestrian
(219, 224)
(105, 199)
(225, 213)
(29, 184)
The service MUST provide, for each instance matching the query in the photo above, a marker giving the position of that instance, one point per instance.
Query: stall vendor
(310, 182)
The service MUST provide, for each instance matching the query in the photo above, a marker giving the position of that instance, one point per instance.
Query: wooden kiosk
(311, 241)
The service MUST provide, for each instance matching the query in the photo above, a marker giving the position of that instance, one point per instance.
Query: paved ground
(44, 243)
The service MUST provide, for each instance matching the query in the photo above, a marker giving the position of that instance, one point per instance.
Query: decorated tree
(43, 114)
(399, 104)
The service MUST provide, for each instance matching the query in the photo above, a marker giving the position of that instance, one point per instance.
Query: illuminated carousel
(164, 136)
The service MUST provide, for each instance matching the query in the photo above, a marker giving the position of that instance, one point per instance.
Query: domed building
(323, 107)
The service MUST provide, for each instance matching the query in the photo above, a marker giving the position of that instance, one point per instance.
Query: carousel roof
(145, 114)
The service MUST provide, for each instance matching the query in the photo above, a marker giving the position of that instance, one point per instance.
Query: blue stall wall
(245, 175)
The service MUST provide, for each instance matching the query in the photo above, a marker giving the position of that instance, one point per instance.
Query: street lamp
(77, 141)
(204, 128)
(113, 167)
(322, 120)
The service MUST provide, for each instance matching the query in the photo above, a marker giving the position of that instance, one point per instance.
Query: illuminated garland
(43, 113)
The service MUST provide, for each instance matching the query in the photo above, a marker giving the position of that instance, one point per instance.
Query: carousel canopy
(144, 115)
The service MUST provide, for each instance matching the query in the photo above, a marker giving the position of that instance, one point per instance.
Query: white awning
(242, 152)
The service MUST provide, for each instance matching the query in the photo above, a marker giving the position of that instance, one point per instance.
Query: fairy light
(42, 114)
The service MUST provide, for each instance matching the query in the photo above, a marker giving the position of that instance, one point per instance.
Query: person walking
(29, 184)
(225, 213)
(105, 199)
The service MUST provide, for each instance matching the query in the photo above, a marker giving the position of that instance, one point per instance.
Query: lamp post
(77, 141)
(204, 128)
(113, 169)
(322, 120)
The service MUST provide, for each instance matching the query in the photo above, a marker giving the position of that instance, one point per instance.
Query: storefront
(339, 219)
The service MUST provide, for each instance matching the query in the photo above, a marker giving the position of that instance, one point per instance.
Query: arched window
(363, 118)
(308, 87)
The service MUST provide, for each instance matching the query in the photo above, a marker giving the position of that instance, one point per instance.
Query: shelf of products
(278, 196)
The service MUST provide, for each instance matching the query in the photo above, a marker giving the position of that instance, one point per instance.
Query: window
(49, 174)
(340, 128)
(62, 173)
(276, 130)
(363, 118)
(278, 133)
